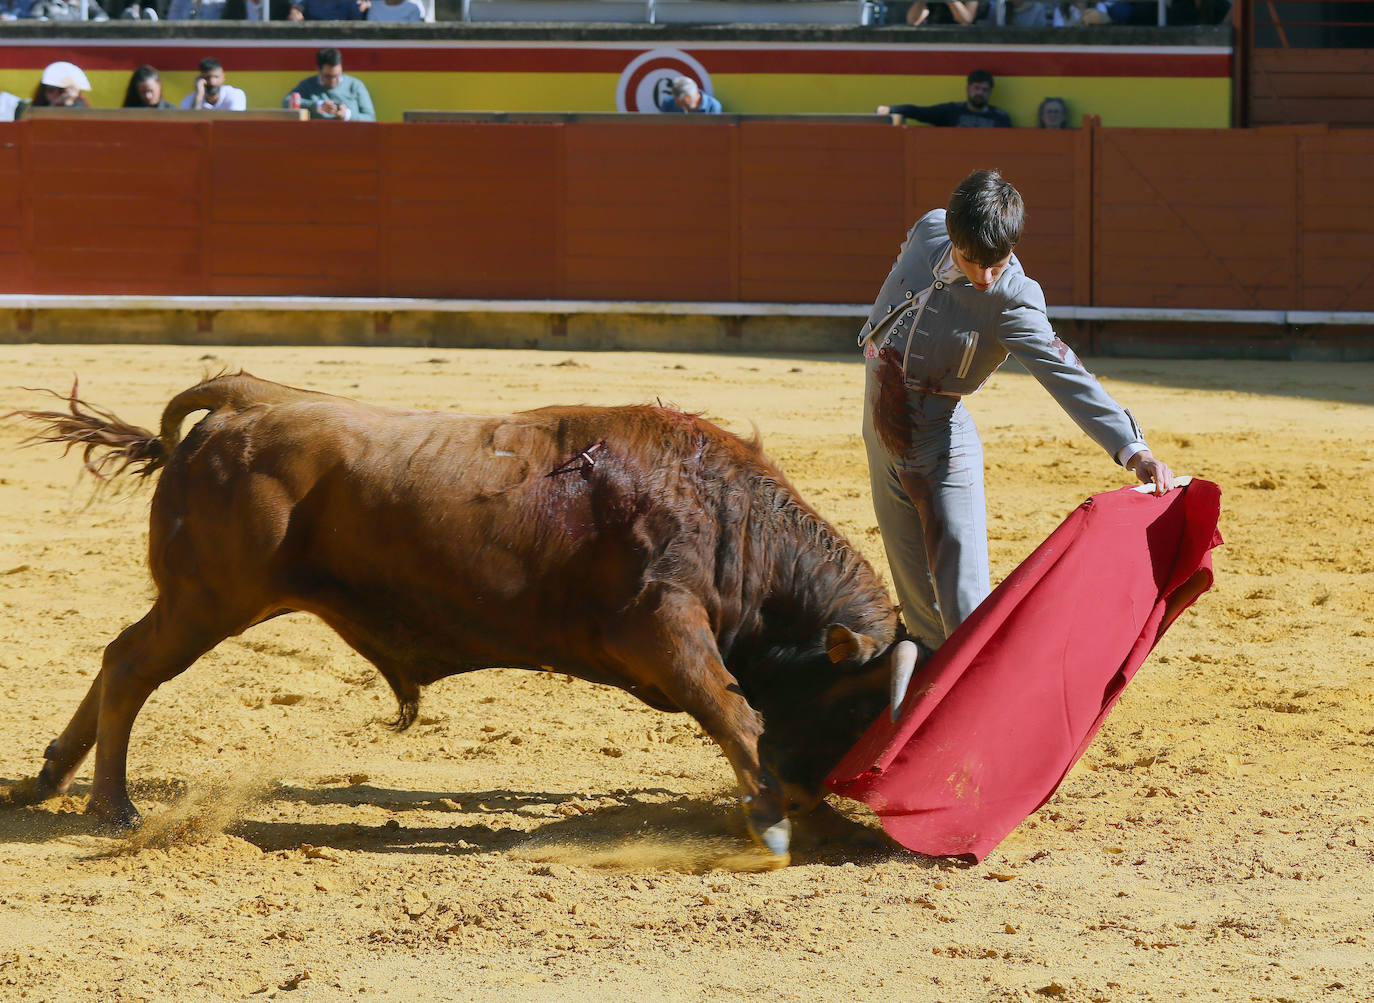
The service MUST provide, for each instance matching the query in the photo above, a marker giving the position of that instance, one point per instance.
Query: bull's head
(822, 707)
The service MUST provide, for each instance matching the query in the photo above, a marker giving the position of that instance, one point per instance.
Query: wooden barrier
(746, 211)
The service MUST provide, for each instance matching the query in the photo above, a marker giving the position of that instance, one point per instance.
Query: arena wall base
(666, 327)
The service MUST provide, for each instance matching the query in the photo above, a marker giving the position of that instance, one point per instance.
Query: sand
(537, 838)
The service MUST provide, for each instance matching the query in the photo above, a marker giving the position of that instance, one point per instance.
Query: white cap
(65, 75)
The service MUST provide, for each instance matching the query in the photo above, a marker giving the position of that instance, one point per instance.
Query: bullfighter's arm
(1027, 335)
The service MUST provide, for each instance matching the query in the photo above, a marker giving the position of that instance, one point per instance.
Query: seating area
(1021, 13)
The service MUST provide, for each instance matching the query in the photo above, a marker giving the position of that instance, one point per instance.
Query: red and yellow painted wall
(1127, 86)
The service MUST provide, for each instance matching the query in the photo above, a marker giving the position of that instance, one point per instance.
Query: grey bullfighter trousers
(925, 463)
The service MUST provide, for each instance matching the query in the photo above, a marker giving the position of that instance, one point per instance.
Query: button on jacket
(956, 338)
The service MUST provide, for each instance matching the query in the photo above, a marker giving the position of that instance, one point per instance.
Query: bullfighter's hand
(1152, 471)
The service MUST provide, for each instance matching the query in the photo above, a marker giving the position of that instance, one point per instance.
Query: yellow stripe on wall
(1138, 102)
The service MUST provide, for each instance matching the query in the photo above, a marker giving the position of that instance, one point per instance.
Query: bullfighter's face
(983, 277)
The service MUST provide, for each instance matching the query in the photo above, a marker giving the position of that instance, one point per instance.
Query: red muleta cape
(993, 722)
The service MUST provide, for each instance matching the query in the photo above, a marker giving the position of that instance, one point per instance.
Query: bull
(640, 547)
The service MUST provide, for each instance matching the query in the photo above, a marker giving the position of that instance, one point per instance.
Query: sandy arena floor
(534, 838)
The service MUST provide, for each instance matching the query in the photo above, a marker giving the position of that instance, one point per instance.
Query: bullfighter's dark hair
(210, 63)
(980, 77)
(328, 57)
(985, 217)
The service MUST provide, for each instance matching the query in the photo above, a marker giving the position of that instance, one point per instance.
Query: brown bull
(635, 546)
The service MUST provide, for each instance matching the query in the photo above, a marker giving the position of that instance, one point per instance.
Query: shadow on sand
(643, 829)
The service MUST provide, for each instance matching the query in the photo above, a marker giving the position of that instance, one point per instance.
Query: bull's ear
(843, 645)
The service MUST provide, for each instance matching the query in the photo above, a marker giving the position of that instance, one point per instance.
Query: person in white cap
(685, 96)
(61, 87)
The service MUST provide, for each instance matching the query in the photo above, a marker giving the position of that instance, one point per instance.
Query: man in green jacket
(331, 94)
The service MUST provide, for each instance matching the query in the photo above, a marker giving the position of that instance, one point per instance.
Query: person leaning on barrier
(328, 10)
(685, 96)
(212, 93)
(975, 111)
(1053, 113)
(396, 10)
(952, 12)
(955, 306)
(331, 93)
(145, 90)
(60, 86)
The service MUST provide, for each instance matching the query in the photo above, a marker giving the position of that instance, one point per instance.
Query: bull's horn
(903, 665)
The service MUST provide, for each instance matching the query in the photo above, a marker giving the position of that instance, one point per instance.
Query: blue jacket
(960, 335)
(709, 106)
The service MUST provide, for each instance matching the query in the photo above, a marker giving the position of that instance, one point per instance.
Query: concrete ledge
(663, 326)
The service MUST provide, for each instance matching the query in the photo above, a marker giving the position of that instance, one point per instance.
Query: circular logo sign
(645, 83)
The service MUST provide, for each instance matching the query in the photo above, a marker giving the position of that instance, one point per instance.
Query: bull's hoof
(50, 782)
(775, 838)
(120, 818)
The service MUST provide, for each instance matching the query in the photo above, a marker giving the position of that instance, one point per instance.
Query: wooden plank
(840, 240)
(135, 241)
(647, 243)
(871, 268)
(401, 143)
(1144, 220)
(143, 211)
(1313, 61)
(85, 263)
(305, 210)
(317, 242)
(1339, 112)
(1152, 294)
(113, 134)
(264, 262)
(286, 180)
(879, 218)
(465, 220)
(12, 277)
(222, 284)
(812, 289)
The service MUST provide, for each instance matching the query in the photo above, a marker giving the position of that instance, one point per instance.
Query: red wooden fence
(665, 210)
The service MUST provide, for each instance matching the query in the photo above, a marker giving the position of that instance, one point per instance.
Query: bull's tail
(233, 392)
(111, 446)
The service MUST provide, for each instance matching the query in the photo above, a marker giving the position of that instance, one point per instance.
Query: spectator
(137, 11)
(251, 10)
(328, 10)
(333, 94)
(1052, 114)
(212, 93)
(686, 96)
(60, 87)
(195, 10)
(1030, 13)
(952, 12)
(974, 112)
(65, 10)
(396, 10)
(145, 90)
(1073, 13)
